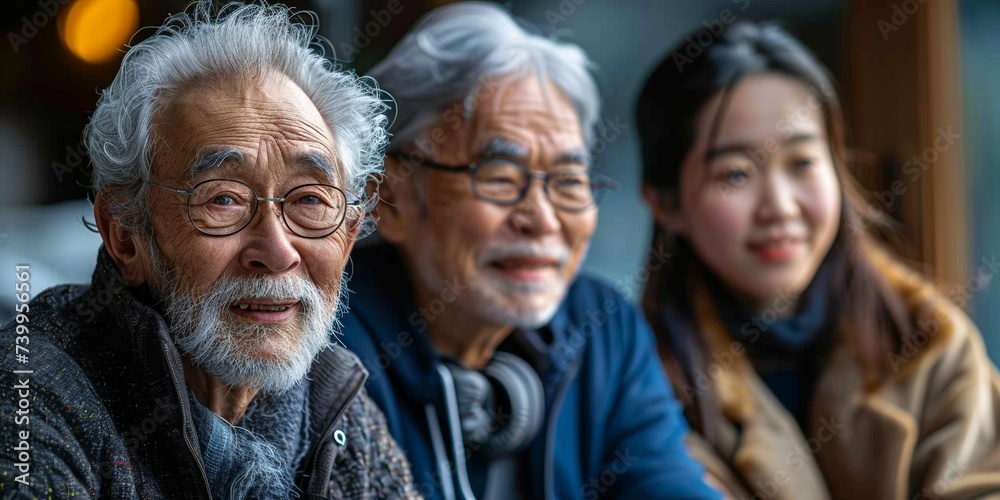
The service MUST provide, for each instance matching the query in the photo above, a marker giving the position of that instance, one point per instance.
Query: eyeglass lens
(223, 207)
(504, 181)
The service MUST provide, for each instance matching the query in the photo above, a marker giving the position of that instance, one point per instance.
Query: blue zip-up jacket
(612, 429)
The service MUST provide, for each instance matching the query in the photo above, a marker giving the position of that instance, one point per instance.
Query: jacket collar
(383, 302)
(124, 347)
(732, 383)
(760, 433)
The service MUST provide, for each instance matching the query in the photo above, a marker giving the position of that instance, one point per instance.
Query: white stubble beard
(203, 328)
(488, 298)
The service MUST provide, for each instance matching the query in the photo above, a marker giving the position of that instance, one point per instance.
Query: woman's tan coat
(931, 432)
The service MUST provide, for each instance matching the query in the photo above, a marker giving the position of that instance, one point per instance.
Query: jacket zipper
(325, 437)
(185, 418)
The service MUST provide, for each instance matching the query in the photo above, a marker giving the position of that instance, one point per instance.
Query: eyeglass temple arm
(187, 192)
(608, 183)
(445, 168)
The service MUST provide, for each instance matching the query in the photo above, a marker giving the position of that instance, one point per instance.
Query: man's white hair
(237, 41)
(456, 48)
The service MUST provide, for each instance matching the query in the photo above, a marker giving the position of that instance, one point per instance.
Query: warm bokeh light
(95, 30)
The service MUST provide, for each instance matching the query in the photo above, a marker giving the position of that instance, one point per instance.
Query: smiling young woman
(797, 343)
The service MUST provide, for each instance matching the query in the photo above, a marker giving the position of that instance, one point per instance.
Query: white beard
(203, 328)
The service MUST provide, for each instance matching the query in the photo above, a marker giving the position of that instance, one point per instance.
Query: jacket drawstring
(458, 445)
(443, 465)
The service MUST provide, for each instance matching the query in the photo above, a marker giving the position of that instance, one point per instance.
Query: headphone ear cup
(474, 394)
(526, 398)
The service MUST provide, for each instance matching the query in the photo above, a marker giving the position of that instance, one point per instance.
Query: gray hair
(237, 41)
(456, 48)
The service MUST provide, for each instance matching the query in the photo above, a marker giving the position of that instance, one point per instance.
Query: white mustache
(232, 289)
(558, 253)
(202, 327)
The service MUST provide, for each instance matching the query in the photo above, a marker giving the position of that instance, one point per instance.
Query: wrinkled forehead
(528, 108)
(526, 94)
(248, 114)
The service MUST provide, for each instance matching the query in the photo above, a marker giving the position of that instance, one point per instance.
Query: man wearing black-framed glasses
(505, 182)
(504, 372)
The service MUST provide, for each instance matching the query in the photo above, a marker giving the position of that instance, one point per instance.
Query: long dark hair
(862, 303)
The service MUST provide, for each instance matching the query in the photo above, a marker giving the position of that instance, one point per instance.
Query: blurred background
(911, 71)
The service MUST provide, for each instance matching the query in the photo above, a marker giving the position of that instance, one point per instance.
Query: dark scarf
(787, 352)
(259, 457)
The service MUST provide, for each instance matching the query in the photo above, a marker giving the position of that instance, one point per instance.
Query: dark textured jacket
(612, 429)
(109, 417)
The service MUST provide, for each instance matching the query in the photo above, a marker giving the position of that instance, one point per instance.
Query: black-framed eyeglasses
(221, 207)
(505, 182)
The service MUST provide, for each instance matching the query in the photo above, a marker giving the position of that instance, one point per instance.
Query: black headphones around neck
(502, 407)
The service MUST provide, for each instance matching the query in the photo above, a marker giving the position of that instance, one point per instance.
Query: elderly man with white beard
(502, 372)
(230, 165)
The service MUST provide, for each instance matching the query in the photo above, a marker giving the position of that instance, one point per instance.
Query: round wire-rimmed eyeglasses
(222, 207)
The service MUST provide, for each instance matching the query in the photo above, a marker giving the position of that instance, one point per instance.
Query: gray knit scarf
(259, 457)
